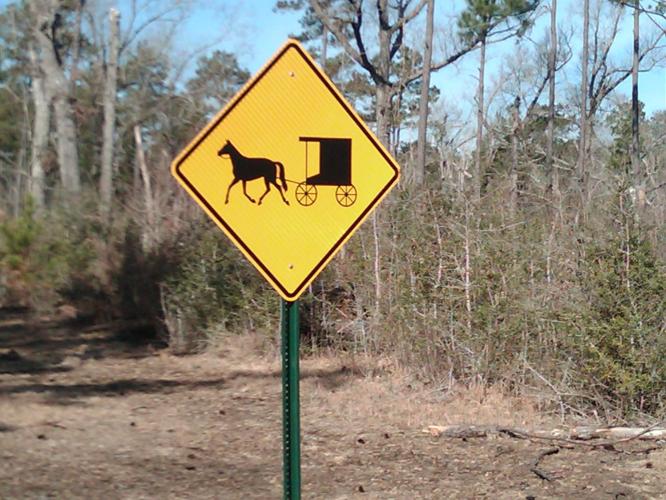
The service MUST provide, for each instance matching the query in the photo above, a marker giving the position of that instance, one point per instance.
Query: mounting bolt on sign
(289, 171)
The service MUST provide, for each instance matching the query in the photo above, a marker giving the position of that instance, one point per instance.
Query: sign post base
(290, 400)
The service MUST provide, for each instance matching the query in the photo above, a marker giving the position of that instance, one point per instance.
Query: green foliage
(533, 312)
(11, 122)
(218, 77)
(624, 345)
(211, 287)
(482, 18)
(45, 257)
(19, 237)
(531, 136)
(144, 82)
(14, 89)
(619, 120)
(311, 25)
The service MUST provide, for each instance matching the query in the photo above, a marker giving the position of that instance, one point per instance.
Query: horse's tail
(284, 182)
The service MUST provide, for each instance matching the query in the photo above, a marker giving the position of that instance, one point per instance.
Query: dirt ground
(87, 413)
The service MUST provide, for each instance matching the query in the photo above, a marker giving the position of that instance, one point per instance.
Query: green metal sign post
(290, 401)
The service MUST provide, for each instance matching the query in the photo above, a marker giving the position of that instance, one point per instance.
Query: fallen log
(619, 434)
(648, 433)
(462, 431)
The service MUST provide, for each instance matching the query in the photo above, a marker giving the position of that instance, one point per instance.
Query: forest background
(524, 248)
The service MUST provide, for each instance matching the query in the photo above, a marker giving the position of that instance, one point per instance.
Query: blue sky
(257, 31)
(253, 31)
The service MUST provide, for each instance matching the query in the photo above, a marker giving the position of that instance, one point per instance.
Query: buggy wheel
(345, 195)
(306, 194)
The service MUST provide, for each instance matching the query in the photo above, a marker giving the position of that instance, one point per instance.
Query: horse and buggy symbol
(334, 170)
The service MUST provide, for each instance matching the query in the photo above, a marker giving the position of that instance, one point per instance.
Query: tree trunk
(19, 166)
(106, 177)
(553, 178)
(58, 87)
(383, 97)
(396, 129)
(513, 197)
(635, 113)
(377, 264)
(383, 93)
(76, 48)
(147, 240)
(389, 41)
(40, 131)
(383, 113)
(479, 123)
(572, 436)
(467, 272)
(419, 172)
(68, 157)
(582, 149)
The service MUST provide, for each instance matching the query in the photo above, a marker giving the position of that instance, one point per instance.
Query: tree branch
(662, 28)
(405, 18)
(537, 95)
(360, 56)
(397, 42)
(132, 34)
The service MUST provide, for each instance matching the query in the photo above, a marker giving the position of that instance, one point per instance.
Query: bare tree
(76, 47)
(106, 174)
(635, 111)
(639, 175)
(148, 198)
(47, 31)
(490, 21)
(344, 20)
(543, 73)
(480, 113)
(40, 130)
(339, 19)
(419, 171)
(514, 156)
(551, 172)
(582, 149)
(523, 88)
(606, 75)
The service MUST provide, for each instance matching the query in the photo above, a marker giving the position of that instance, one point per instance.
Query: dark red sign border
(320, 265)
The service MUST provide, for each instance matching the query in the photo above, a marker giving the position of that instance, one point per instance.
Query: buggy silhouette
(334, 170)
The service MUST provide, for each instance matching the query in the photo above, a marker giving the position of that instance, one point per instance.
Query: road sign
(288, 170)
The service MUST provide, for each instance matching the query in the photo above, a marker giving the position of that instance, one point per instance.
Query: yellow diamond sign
(288, 170)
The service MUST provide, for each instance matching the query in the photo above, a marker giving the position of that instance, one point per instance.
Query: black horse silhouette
(247, 169)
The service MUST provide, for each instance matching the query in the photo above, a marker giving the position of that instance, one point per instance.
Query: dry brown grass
(362, 388)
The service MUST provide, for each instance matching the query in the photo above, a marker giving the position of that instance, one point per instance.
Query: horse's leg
(280, 191)
(268, 188)
(236, 179)
(247, 195)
